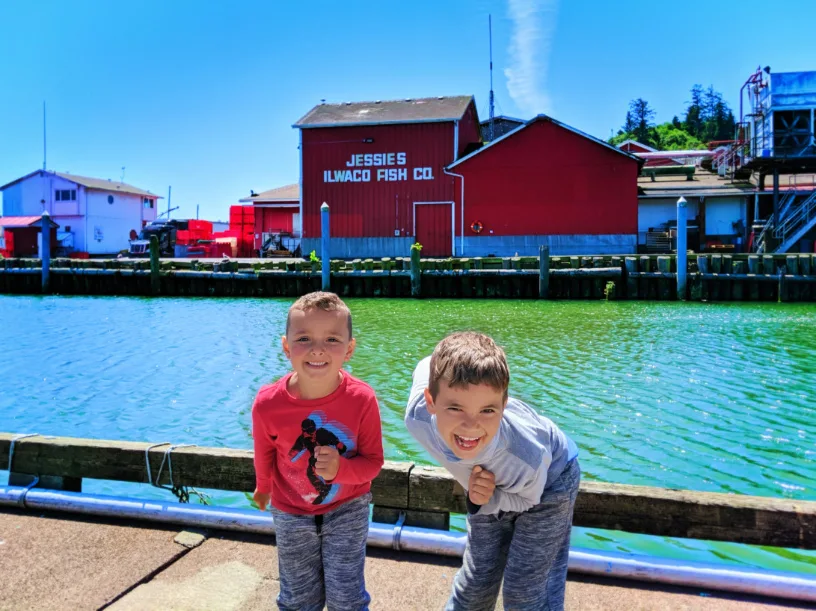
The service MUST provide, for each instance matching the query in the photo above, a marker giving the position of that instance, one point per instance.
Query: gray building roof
(90, 183)
(501, 125)
(288, 193)
(409, 110)
(704, 184)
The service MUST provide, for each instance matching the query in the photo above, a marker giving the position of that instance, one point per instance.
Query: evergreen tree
(694, 112)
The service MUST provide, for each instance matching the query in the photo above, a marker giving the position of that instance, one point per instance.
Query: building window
(65, 195)
(147, 202)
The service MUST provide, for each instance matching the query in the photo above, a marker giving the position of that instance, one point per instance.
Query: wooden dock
(774, 278)
(428, 495)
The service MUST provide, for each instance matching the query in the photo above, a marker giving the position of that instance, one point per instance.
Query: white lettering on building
(347, 176)
(359, 162)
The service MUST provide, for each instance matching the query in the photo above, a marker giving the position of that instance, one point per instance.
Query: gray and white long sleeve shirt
(527, 452)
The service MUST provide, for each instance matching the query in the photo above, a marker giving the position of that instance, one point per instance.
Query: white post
(325, 255)
(682, 247)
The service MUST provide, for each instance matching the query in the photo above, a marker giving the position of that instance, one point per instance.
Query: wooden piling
(716, 268)
(599, 284)
(45, 254)
(769, 269)
(586, 284)
(643, 283)
(631, 266)
(368, 282)
(805, 290)
(575, 284)
(663, 284)
(753, 268)
(543, 272)
(416, 274)
(695, 282)
(478, 283)
(738, 288)
(792, 268)
(154, 265)
(725, 285)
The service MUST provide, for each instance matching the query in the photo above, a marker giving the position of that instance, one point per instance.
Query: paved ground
(58, 562)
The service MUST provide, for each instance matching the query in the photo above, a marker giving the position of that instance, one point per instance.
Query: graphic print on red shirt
(318, 431)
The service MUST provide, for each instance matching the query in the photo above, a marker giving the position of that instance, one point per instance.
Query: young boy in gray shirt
(519, 469)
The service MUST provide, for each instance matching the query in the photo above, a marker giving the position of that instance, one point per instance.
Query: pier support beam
(543, 272)
(325, 257)
(682, 248)
(416, 273)
(45, 248)
(775, 225)
(154, 265)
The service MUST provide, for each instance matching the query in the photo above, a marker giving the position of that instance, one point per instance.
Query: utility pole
(492, 111)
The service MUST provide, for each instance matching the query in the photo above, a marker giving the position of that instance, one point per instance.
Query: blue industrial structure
(780, 126)
(777, 135)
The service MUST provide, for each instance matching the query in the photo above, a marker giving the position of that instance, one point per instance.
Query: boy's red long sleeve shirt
(286, 431)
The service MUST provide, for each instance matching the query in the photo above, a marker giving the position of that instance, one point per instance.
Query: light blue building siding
(482, 246)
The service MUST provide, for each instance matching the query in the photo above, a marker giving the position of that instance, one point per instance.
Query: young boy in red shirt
(318, 446)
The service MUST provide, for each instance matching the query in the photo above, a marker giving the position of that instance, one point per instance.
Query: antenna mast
(44, 149)
(492, 112)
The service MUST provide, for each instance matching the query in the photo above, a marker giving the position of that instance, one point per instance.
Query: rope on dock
(33, 482)
(181, 492)
(398, 530)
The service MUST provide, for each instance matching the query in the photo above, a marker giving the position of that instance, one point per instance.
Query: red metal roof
(549, 119)
(14, 222)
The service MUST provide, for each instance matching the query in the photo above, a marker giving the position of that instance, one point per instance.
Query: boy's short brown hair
(321, 300)
(467, 357)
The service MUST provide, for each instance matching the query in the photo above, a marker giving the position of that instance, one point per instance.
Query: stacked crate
(242, 226)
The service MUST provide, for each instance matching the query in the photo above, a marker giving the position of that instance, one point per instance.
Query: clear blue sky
(202, 96)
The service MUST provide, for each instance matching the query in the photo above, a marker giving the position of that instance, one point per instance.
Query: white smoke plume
(533, 30)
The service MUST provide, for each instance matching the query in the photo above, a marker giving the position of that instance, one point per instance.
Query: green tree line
(707, 118)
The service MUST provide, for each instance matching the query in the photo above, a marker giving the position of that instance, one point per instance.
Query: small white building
(719, 210)
(98, 214)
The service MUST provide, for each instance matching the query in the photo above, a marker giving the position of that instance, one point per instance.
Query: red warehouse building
(548, 184)
(395, 173)
(277, 215)
(381, 168)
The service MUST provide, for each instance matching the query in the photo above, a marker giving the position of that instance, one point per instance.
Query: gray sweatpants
(529, 549)
(322, 558)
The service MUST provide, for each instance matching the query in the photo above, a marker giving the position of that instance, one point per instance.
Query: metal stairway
(784, 206)
(800, 219)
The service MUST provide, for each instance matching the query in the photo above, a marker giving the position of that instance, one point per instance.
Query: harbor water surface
(713, 397)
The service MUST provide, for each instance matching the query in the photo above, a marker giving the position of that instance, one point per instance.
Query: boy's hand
(261, 498)
(481, 485)
(328, 462)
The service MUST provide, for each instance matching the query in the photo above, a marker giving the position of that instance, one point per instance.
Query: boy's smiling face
(467, 417)
(318, 343)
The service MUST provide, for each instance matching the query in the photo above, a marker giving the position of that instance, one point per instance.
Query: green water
(714, 397)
